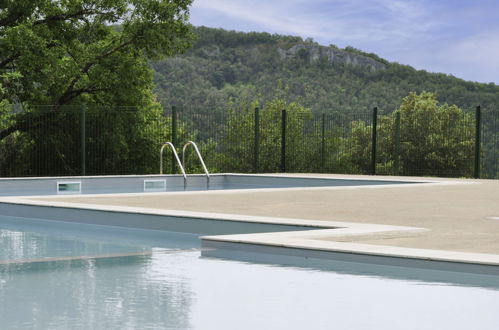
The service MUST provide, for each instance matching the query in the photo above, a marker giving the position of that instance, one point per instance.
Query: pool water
(17, 247)
(160, 281)
(26, 240)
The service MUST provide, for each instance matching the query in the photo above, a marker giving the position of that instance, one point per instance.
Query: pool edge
(299, 240)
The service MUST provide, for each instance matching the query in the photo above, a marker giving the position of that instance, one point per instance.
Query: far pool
(174, 183)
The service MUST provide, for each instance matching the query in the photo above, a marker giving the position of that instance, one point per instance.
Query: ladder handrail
(176, 157)
(199, 156)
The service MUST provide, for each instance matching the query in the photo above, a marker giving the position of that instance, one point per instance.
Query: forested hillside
(224, 68)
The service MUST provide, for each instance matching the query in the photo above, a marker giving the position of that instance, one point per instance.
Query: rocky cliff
(313, 53)
(309, 53)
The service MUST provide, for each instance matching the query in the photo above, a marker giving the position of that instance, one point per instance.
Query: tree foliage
(240, 128)
(53, 52)
(57, 54)
(435, 140)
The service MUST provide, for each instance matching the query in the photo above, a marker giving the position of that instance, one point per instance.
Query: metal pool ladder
(181, 164)
(172, 147)
(199, 157)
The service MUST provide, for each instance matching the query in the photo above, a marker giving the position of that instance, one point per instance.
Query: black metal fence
(104, 141)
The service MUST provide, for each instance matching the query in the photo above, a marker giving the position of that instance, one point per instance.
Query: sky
(457, 37)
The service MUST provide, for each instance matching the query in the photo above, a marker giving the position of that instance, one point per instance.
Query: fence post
(397, 144)
(373, 141)
(174, 137)
(283, 141)
(257, 141)
(323, 142)
(478, 135)
(83, 138)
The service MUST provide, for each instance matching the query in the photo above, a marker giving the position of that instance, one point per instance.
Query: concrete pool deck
(459, 215)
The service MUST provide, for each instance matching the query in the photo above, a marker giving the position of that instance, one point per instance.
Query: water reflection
(177, 289)
(116, 293)
(26, 239)
(16, 246)
(47, 279)
(414, 274)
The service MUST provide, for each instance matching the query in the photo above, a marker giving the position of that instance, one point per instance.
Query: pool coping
(306, 240)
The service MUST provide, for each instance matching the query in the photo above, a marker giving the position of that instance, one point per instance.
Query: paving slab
(460, 215)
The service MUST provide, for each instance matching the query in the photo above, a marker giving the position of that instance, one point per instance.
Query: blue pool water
(160, 281)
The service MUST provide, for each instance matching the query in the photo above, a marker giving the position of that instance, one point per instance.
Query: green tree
(65, 52)
(436, 140)
(239, 142)
(355, 148)
(57, 54)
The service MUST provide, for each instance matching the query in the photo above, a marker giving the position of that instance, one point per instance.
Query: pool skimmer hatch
(68, 187)
(154, 185)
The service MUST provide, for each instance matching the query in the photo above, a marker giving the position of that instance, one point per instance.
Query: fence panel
(125, 140)
(348, 142)
(439, 145)
(490, 144)
(43, 144)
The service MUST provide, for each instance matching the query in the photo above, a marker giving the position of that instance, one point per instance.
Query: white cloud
(341, 21)
(267, 15)
(477, 48)
(471, 57)
(474, 56)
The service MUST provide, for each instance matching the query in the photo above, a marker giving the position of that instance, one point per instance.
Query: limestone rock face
(313, 53)
(309, 53)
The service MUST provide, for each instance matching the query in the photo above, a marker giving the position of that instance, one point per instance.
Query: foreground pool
(57, 275)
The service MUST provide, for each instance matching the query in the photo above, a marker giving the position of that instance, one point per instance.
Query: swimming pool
(61, 275)
(69, 265)
(173, 183)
